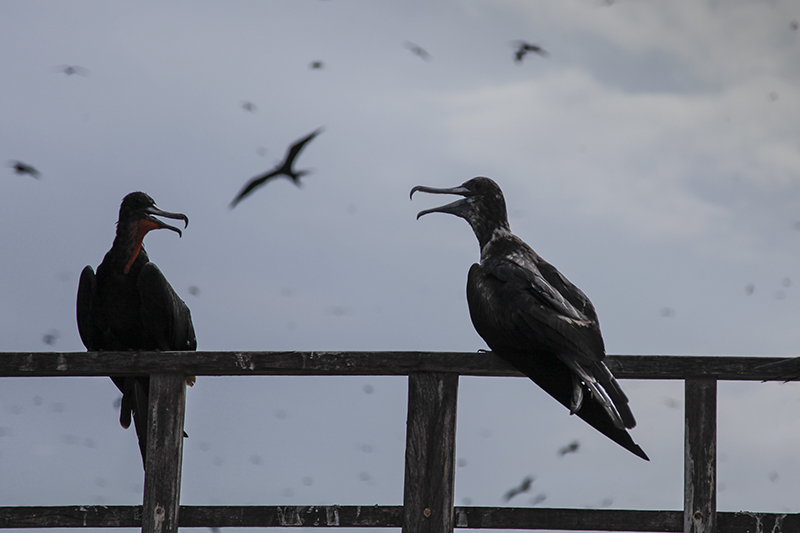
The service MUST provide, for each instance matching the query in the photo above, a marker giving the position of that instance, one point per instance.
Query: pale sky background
(653, 156)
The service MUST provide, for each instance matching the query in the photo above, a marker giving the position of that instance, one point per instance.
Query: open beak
(459, 208)
(166, 214)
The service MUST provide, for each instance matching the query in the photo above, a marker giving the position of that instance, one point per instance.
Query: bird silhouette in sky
(524, 47)
(24, 168)
(418, 50)
(71, 70)
(572, 447)
(284, 169)
(523, 487)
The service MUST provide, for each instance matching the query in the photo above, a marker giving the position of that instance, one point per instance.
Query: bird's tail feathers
(576, 401)
(784, 370)
(553, 375)
(140, 409)
(614, 393)
(605, 390)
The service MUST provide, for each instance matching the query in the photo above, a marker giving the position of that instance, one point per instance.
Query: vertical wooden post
(162, 475)
(700, 456)
(430, 452)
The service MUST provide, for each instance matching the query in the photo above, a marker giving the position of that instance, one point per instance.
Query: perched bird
(71, 70)
(532, 316)
(523, 48)
(524, 487)
(24, 168)
(284, 168)
(418, 50)
(130, 305)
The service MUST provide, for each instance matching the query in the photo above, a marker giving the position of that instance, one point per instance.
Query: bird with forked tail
(533, 317)
(285, 168)
(129, 305)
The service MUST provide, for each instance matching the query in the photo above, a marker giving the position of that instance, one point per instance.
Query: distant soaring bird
(284, 168)
(572, 447)
(418, 50)
(316, 65)
(532, 316)
(71, 70)
(523, 487)
(24, 168)
(130, 305)
(523, 48)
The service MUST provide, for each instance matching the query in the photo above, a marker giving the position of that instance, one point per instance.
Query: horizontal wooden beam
(355, 363)
(354, 516)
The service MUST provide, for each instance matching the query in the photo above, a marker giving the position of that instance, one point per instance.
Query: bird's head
(483, 206)
(138, 208)
(137, 216)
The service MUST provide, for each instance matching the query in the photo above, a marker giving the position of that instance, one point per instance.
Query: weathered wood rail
(430, 445)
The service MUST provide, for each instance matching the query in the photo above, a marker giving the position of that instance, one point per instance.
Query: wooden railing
(430, 445)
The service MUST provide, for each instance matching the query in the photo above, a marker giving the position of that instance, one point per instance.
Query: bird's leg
(577, 394)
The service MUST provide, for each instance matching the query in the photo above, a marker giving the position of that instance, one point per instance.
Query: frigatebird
(417, 50)
(533, 317)
(572, 447)
(523, 48)
(71, 70)
(130, 305)
(24, 168)
(523, 487)
(284, 168)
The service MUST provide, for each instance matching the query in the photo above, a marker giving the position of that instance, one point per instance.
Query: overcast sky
(653, 156)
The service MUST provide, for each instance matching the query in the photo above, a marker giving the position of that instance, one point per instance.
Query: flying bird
(129, 305)
(524, 487)
(572, 447)
(24, 168)
(523, 48)
(316, 65)
(71, 70)
(418, 50)
(284, 168)
(533, 317)
(249, 106)
(51, 337)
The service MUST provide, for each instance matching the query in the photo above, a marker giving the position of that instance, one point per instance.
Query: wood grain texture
(355, 363)
(430, 452)
(383, 516)
(162, 474)
(700, 456)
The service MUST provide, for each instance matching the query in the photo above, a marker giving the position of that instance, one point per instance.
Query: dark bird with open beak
(129, 305)
(533, 317)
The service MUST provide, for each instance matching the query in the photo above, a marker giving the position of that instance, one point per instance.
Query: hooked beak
(154, 210)
(459, 208)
